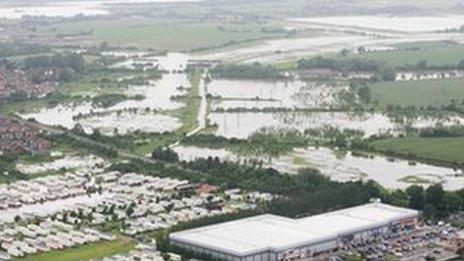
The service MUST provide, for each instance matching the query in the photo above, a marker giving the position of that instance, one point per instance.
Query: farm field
(447, 150)
(431, 92)
(85, 252)
(148, 33)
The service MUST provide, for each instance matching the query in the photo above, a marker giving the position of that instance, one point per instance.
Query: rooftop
(257, 234)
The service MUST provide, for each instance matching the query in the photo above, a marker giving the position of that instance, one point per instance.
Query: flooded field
(280, 49)
(157, 94)
(67, 163)
(416, 24)
(262, 94)
(344, 166)
(61, 115)
(72, 8)
(390, 173)
(129, 115)
(171, 62)
(126, 122)
(243, 124)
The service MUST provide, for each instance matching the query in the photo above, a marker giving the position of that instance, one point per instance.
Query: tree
(399, 198)
(430, 212)
(166, 256)
(422, 65)
(416, 196)
(452, 202)
(434, 195)
(387, 74)
(461, 65)
(165, 154)
(460, 193)
(364, 93)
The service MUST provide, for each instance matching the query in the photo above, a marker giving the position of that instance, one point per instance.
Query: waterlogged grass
(418, 93)
(445, 150)
(85, 252)
(188, 113)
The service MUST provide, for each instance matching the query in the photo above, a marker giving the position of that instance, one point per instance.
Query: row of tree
(381, 70)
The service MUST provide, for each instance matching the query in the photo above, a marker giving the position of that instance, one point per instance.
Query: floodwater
(61, 115)
(68, 162)
(242, 125)
(121, 117)
(126, 122)
(415, 24)
(390, 173)
(280, 49)
(262, 94)
(73, 8)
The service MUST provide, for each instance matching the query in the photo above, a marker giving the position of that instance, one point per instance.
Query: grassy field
(446, 150)
(149, 33)
(418, 93)
(435, 53)
(85, 252)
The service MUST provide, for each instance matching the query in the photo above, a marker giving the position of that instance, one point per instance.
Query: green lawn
(85, 252)
(435, 53)
(160, 35)
(447, 150)
(418, 93)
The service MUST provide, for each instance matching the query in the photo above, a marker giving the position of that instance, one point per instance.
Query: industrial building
(270, 237)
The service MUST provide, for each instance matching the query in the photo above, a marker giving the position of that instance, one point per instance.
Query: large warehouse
(269, 237)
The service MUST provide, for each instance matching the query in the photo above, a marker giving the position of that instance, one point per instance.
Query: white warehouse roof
(269, 232)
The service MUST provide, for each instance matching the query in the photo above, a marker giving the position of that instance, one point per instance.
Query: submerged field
(341, 166)
(431, 92)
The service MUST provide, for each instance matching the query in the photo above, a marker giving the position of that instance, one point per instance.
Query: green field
(418, 93)
(435, 53)
(446, 150)
(148, 33)
(85, 252)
